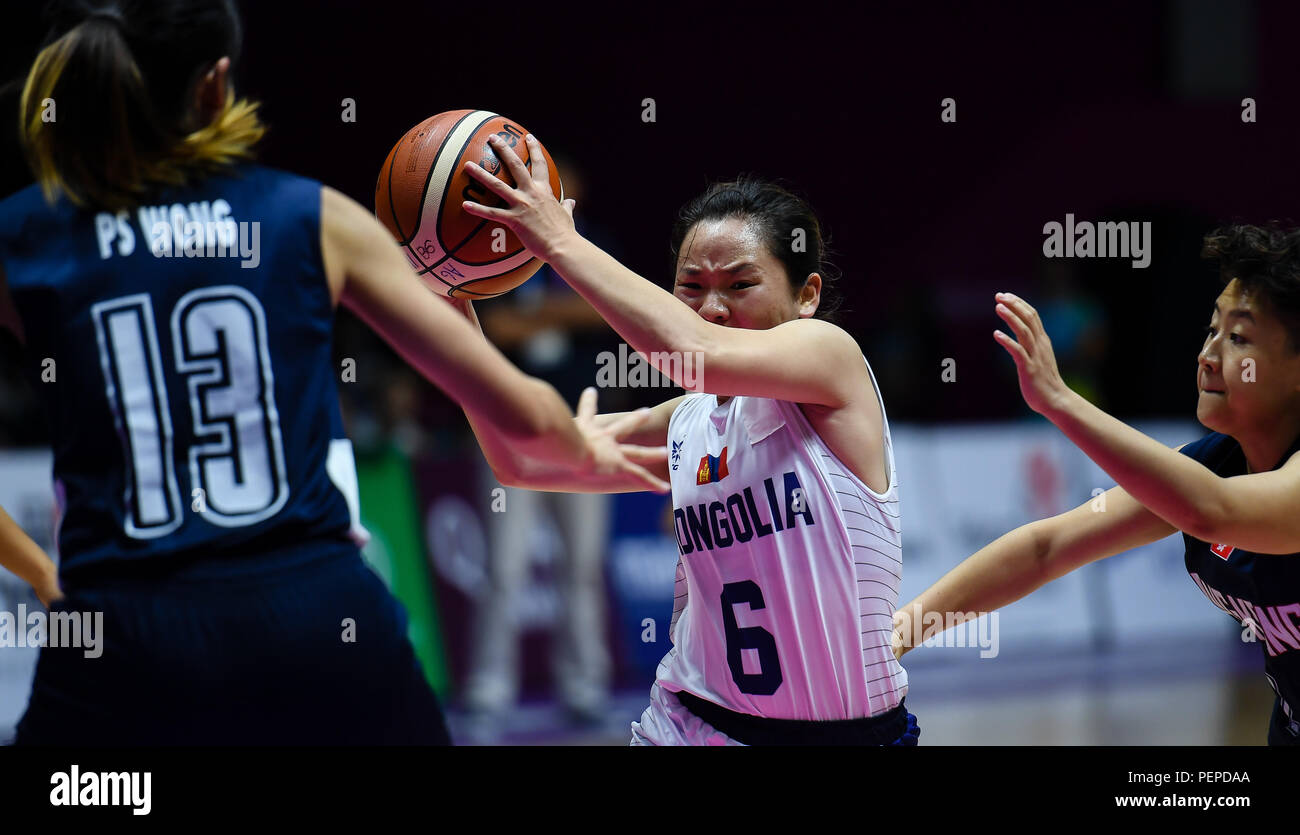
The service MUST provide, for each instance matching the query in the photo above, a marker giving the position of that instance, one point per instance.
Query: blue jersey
(1262, 591)
(182, 351)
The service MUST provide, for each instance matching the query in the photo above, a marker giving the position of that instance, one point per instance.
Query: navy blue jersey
(1262, 591)
(182, 351)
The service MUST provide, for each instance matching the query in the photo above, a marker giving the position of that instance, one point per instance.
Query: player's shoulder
(346, 221)
(28, 220)
(827, 348)
(336, 202)
(21, 201)
(818, 329)
(23, 205)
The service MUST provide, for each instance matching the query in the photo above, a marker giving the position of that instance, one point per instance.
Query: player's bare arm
(636, 433)
(654, 432)
(1027, 558)
(803, 361)
(367, 274)
(641, 434)
(22, 556)
(1256, 512)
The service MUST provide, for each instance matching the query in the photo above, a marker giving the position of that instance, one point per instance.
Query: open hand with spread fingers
(531, 210)
(1040, 380)
(610, 457)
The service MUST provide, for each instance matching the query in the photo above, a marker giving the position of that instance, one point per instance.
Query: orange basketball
(419, 195)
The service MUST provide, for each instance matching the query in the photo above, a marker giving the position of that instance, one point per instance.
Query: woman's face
(727, 275)
(1247, 374)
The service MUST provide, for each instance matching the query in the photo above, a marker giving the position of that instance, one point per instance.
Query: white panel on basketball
(426, 234)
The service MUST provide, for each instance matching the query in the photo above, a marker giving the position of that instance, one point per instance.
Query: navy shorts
(248, 660)
(1282, 731)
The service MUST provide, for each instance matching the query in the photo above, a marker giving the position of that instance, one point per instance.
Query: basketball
(419, 193)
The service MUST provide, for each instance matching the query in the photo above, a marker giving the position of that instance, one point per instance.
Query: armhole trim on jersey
(808, 432)
(884, 429)
(341, 467)
(317, 221)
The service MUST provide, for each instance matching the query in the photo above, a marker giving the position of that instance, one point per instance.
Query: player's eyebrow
(691, 269)
(1236, 311)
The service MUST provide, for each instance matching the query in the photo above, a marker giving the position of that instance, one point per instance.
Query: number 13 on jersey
(219, 346)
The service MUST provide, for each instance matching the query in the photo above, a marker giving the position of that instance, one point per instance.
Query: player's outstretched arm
(804, 361)
(21, 555)
(369, 275)
(1025, 559)
(1256, 512)
(643, 435)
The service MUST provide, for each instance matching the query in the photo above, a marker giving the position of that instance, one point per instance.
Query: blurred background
(541, 621)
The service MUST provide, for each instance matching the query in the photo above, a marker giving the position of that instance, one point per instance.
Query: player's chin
(1212, 412)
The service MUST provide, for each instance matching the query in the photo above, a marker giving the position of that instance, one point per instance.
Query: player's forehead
(722, 244)
(1236, 302)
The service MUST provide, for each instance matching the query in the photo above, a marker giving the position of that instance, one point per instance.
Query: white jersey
(789, 571)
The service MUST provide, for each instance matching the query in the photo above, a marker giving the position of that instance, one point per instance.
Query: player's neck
(1264, 446)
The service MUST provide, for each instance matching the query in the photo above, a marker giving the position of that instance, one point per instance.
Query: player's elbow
(1206, 525)
(507, 473)
(1208, 518)
(1040, 537)
(1057, 545)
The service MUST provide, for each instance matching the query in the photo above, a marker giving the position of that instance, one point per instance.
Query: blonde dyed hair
(107, 144)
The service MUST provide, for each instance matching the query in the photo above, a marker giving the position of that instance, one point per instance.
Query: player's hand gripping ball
(531, 210)
(422, 187)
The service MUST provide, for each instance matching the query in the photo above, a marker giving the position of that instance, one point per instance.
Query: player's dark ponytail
(106, 108)
(788, 224)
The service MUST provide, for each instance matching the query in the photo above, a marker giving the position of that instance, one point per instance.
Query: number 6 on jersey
(768, 678)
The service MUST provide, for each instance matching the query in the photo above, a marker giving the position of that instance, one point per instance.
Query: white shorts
(667, 722)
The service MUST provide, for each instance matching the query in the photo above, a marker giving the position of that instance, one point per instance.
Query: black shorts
(249, 660)
(896, 727)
